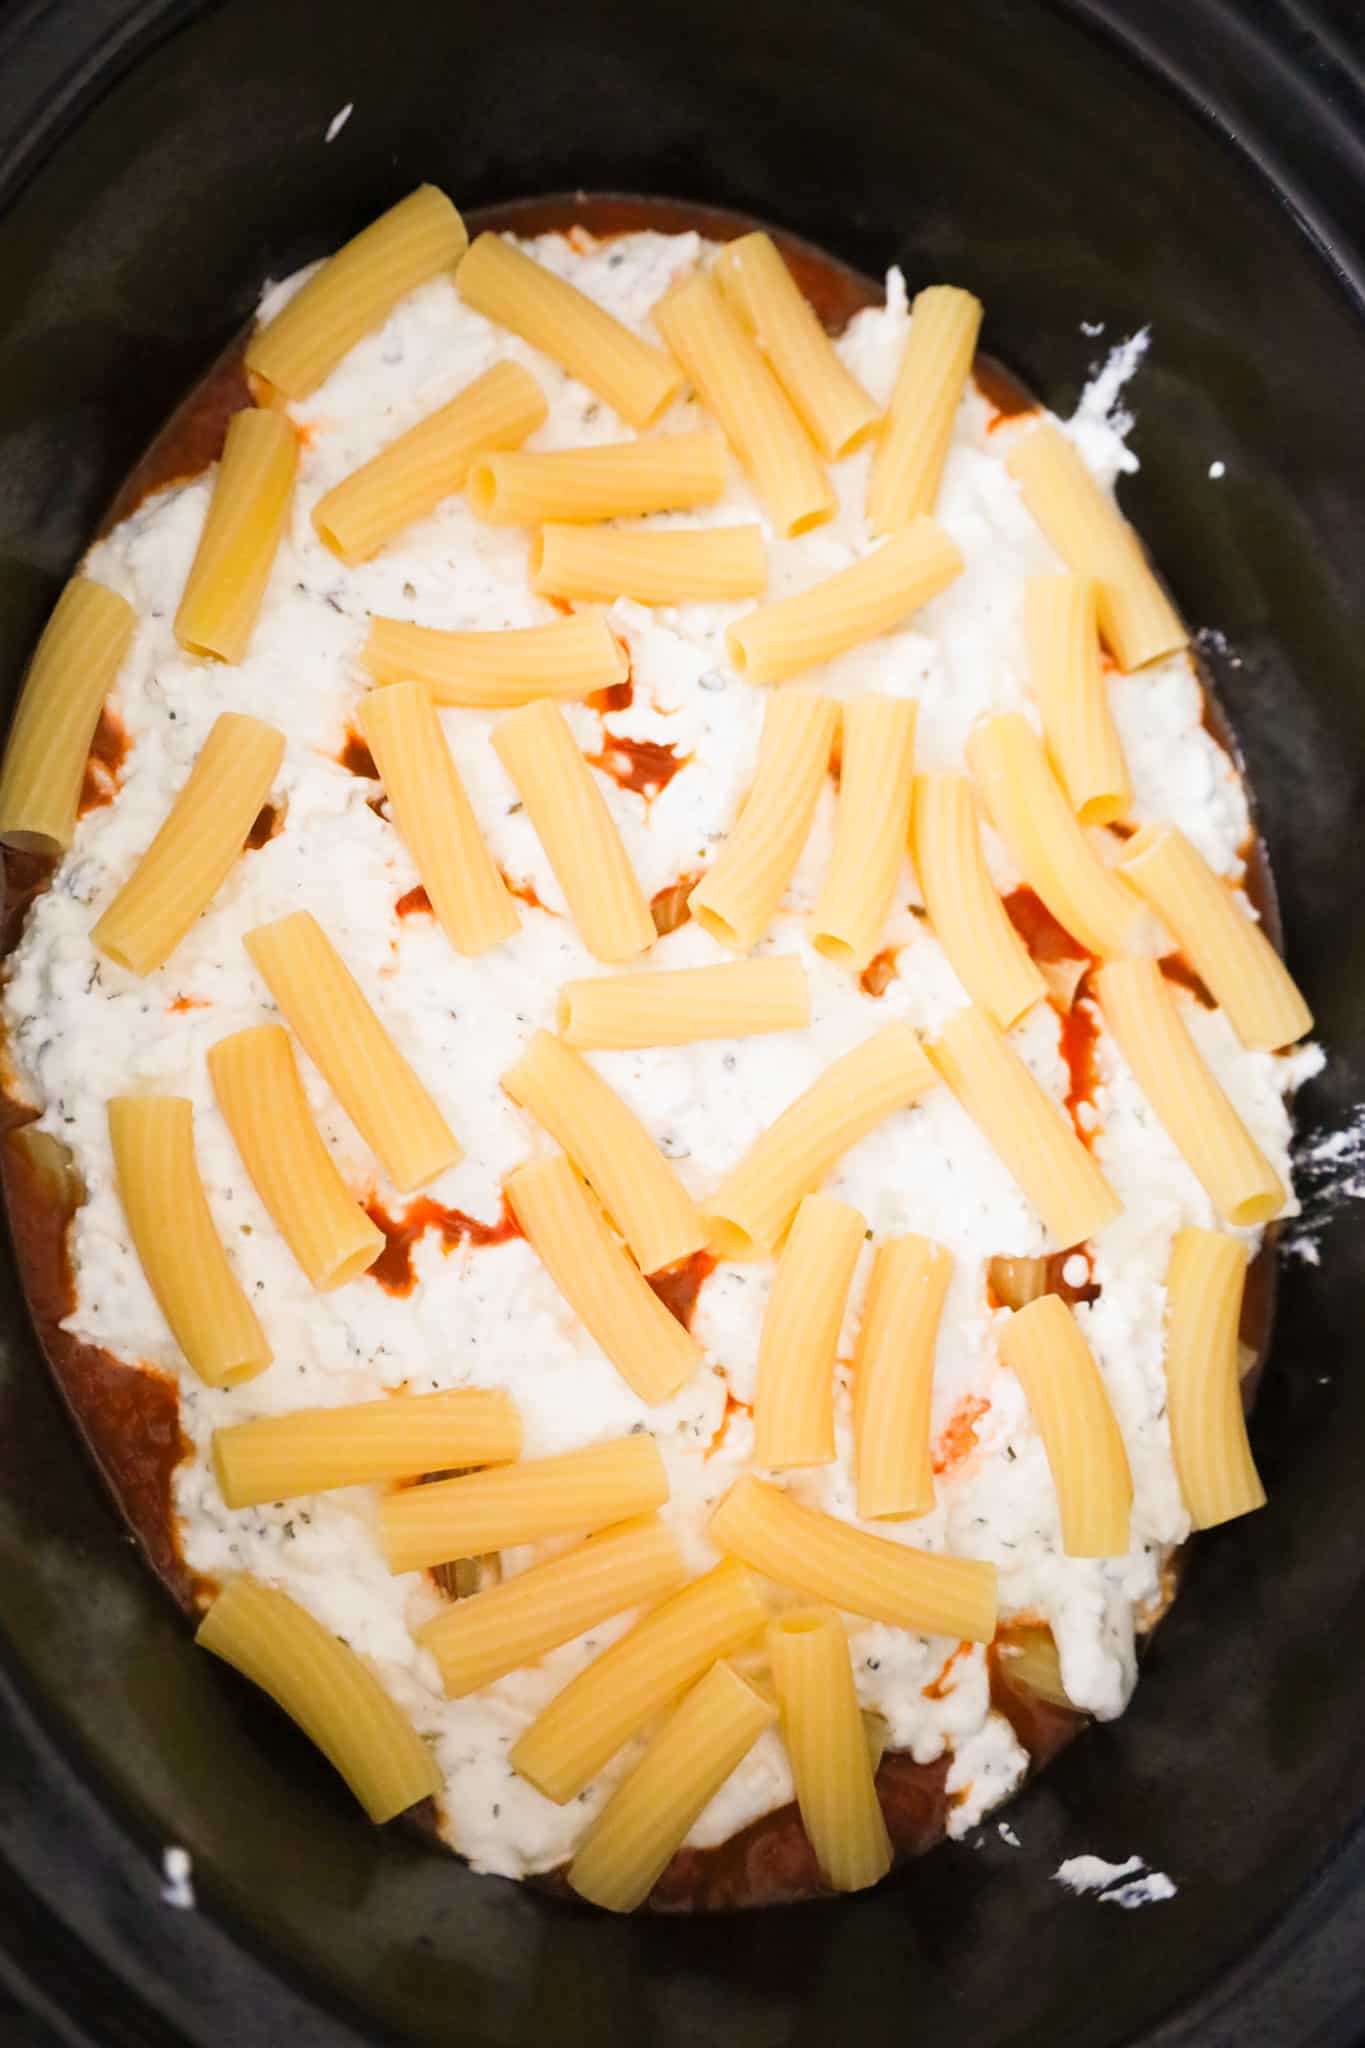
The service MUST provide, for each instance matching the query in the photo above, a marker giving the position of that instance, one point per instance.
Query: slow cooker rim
(37, 66)
(1262, 68)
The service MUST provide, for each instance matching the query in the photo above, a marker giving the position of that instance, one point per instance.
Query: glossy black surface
(152, 180)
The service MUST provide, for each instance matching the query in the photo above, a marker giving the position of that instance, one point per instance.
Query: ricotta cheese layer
(81, 1029)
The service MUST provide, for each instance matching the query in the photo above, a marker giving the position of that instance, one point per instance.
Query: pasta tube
(677, 1006)
(1085, 526)
(73, 669)
(1213, 1459)
(575, 827)
(628, 1847)
(196, 846)
(512, 1624)
(750, 1210)
(674, 565)
(794, 1405)
(327, 1689)
(263, 1103)
(970, 922)
(356, 289)
(313, 1450)
(859, 603)
(611, 1148)
(924, 1591)
(1028, 1129)
(1227, 949)
(407, 480)
(907, 467)
(835, 409)
(1061, 628)
(650, 1349)
(620, 480)
(642, 1673)
(505, 285)
(1029, 1662)
(327, 1011)
(822, 1726)
(737, 387)
(177, 1245)
(493, 671)
(893, 1377)
(506, 1504)
(1141, 1011)
(1043, 1346)
(1015, 1282)
(247, 517)
(1046, 840)
(429, 806)
(875, 785)
(737, 898)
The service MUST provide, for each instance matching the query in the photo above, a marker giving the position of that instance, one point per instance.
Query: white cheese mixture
(1086, 1874)
(177, 1879)
(81, 1029)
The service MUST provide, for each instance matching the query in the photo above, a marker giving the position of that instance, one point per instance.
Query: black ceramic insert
(157, 161)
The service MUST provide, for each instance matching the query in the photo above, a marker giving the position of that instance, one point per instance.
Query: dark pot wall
(1012, 147)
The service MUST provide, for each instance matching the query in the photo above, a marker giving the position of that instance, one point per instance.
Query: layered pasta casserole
(658, 1050)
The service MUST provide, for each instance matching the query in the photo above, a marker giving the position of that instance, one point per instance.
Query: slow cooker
(1196, 166)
